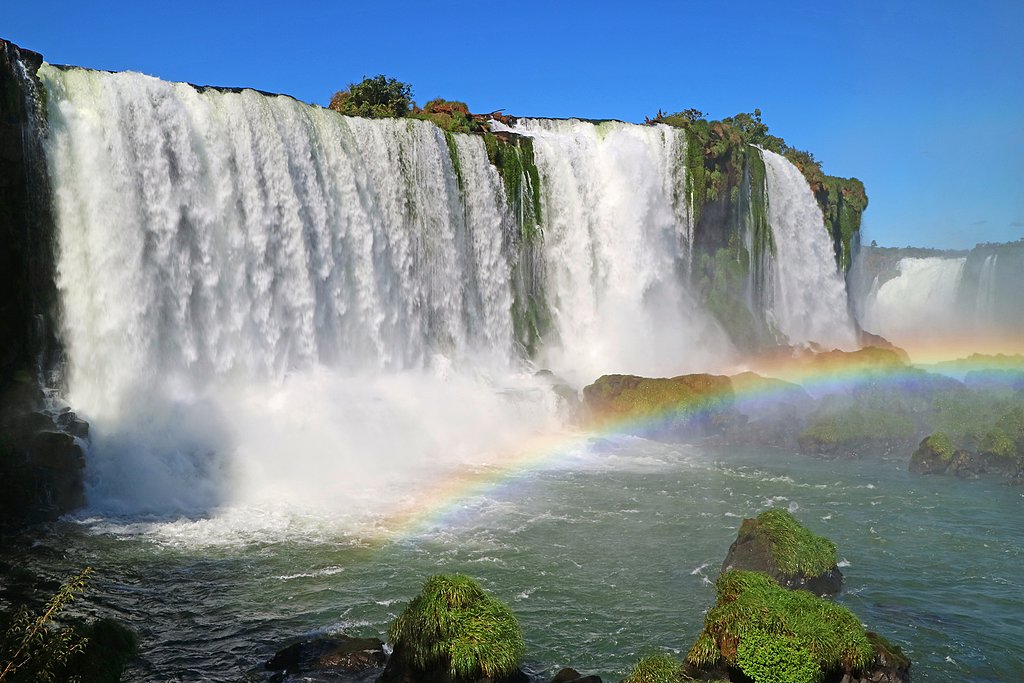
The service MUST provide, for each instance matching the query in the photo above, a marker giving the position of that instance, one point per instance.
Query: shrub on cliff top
(794, 547)
(376, 97)
(453, 623)
(757, 626)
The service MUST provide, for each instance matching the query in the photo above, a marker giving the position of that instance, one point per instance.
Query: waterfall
(985, 302)
(918, 304)
(617, 241)
(809, 302)
(245, 276)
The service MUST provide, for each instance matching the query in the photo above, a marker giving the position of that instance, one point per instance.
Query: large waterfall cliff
(240, 274)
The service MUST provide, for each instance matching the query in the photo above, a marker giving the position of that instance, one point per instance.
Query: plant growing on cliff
(375, 97)
(454, 624)
(32, 647)
(772, 626)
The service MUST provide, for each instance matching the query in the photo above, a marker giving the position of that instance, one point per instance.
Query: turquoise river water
(605, 555)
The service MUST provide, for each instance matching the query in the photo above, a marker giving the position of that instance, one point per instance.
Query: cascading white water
(258, 291)
(269, 304)
(918, 304)
(617, 236)
(808, 303)
(985, 303)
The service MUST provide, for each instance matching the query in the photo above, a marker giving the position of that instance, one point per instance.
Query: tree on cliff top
(376, 97)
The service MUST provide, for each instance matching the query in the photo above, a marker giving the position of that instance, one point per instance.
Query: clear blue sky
(923, 101)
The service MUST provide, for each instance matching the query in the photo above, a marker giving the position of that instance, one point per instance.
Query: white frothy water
(809, 300)
(263, 300)
(617, 235)
(919, 303)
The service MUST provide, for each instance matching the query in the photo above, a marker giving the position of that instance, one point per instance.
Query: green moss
(778, 623)
(453, 154)
(624, 396)
(455, 625)
(514, 159)
(531, 321)
(794, 548)
(660, 668)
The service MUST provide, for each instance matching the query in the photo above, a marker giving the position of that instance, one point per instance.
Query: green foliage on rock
(660, 668)
(768, 658)
(513, 156)
(454, 625)
(33, 648)
(375, 97)
(628, 396)
(794, 548)
(855, 428)
(448, 115)
(755, 615)
(718, 153)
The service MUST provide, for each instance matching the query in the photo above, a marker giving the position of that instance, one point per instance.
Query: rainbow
(817, 374)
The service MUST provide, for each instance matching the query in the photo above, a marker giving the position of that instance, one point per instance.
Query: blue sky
(923, 101)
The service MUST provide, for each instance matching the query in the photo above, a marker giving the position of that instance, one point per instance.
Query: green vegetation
(375, 97)
(448, 115)
(627, 396)
(513, 157)
(855, 427)
(794, 548)
(660, 668)
(33, 648)
(718, 159)
(779, 632)
(453, 624)
(768, 658)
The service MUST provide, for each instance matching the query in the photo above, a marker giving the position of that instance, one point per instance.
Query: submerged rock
(328, 655)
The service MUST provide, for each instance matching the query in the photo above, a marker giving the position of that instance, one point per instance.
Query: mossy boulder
(776, 544)
(934, 454)
(455, 632)
(682, 406)
(768, 633)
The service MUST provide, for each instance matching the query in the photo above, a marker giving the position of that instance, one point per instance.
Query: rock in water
(776, 544)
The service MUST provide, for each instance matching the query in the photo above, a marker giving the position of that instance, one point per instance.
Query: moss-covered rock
(934, 454)
(454, 632)
(659, 668)
(684, 405)
(764, 630)
(857, 430)
(777, 544)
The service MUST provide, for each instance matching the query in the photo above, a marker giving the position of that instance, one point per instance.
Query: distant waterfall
(809, 301)
(617, 239)
(920, 301)
(985, 299)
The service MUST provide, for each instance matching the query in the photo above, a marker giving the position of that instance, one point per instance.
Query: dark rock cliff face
(41, 458)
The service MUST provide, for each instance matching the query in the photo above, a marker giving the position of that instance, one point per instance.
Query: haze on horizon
(921, 101)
